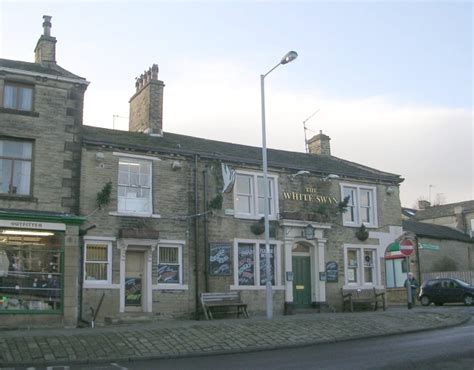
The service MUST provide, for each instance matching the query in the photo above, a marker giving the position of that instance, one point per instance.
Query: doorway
(301, 281)
(135, 284)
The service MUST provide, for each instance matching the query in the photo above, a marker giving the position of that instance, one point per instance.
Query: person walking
(412, 285)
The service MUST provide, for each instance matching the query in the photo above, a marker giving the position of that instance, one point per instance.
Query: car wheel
(468, 300)
(425, 301)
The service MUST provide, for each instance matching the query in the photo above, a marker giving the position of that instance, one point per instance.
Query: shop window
(134, 186)
(361, 266)
(170, 264)
(31, 274)
(97, 262)
(248, 196)
(395, 272)
(15, 167)
(362, 207)
(251, 264)
(18, 96)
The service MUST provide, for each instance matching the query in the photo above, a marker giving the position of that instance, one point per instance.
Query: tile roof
(435, 231)
(443, 210)
(188, 145)
(50, 69)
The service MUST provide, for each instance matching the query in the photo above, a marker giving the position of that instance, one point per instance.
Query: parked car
(445, 290)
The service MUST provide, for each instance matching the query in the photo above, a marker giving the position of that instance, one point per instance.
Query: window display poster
(168, 274)
(219, 259)
(133, 291)
(246, 264)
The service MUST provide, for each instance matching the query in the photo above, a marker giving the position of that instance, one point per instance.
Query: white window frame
(361, 267)
(357, 206)
(138, 161)
(180, 246)
(254, 196)
(277, 267)
(98, 240)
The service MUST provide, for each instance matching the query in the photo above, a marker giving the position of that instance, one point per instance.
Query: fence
(467, 276)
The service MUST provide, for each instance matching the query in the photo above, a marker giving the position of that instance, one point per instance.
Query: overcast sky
(392, 80)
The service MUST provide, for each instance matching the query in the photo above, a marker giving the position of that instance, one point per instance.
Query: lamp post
(287, 58)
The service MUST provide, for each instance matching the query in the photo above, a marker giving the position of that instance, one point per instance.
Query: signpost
(406, 248)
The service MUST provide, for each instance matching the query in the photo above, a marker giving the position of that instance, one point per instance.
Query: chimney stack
(319, 144)
(423, 204)
(45, 50)
(146, 105)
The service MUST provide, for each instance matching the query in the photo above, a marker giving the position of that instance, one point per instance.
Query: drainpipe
(206, 235)
(196, 235)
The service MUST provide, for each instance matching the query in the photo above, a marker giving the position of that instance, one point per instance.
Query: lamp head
(289, 57)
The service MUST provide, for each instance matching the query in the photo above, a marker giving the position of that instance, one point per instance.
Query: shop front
(34, 283)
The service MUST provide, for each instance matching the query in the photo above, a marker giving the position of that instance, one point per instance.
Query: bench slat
(223, 300)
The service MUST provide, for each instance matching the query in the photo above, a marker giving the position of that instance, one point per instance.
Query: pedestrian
(411, 283)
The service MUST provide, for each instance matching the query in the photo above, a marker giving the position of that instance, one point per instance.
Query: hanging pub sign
(332, 272)
(219, 259)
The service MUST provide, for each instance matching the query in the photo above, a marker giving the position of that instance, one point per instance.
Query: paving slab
(178, 338)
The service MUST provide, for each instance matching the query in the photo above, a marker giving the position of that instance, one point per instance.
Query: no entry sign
(406, 247)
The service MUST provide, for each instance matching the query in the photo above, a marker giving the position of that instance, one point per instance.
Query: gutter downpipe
(196, 235)
(206, 234)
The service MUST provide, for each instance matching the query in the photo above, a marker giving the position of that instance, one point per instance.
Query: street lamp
(287, 58)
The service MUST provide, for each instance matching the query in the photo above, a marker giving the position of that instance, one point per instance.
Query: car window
(462, 283)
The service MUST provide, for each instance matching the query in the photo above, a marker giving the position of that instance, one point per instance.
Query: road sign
(407, 246)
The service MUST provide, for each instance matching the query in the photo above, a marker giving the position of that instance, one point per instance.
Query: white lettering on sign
(33, 225)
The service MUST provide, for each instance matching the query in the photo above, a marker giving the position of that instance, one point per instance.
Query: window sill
(132, 214)
(254, 217)
(19, 198)
(254, 287)
(19, 112)
(97, 285)
(170, 287)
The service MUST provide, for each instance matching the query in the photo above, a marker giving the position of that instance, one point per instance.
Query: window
(248, 196)
(98, 262)
(395, 272)
(361, 266)
(15, 167)
(170, 264)
(18, 96)
(361, 208)
(134, 186)
(31, 271)
(251, 264)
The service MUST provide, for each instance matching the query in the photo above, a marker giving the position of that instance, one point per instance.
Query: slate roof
(424, 229)
(443, 210)
(50, 68)
(188, 145)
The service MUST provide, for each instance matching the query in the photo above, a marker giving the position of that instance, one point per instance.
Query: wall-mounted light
(25, 232)
(299, 173)
(331, 176)
(176, 165)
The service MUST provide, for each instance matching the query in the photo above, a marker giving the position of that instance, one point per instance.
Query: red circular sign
(407, 246)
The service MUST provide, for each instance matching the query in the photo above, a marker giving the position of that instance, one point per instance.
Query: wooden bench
(223, 303)
(359, 295)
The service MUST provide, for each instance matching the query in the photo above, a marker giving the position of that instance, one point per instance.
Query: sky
(392, 82)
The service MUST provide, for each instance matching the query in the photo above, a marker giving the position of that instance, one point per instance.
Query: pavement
(178, 338)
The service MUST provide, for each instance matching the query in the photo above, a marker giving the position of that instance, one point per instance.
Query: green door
(301, 281)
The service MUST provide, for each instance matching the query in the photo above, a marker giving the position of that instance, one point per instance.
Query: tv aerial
(305, 128)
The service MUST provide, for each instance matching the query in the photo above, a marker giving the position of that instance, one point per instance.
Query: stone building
(40, 132)
(160, 218)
